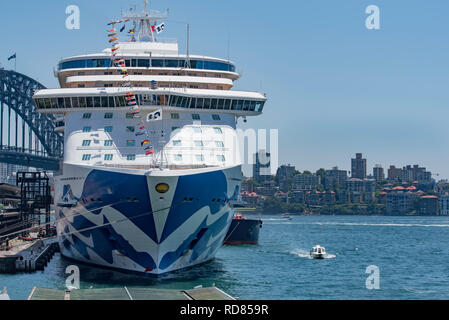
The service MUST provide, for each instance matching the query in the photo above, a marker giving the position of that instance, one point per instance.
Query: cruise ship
(151, 161)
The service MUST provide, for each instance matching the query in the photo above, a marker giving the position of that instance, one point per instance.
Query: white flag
(155, 116)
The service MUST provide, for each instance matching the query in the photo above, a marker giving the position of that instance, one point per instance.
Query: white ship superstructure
(120, 205)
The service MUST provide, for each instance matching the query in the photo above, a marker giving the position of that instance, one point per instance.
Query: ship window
(54, 103)
(108, 157)
(130, 143)
(120, 101)
(206, 103)
(82, 101)
(75, 103)
(246, 104)
(199, 157)
(219, 144)
(177, 157)
(97, 102)
(143, 63)
(193, 104)
(259, 106)
(87, 115)
(130, 129)
(86, 143)
(199, 143)
(252, 105)
(171, 63)
(108, 115)
(240, 105)
(131, 157)
(199, 103)
(196, 116)
(61, 103)
(177, 143)
(108, 143)
(227, 104)
(86, 157)
(218, 130)
(67, 102)
(90, 102)
(213, 104)
(111, 102)
(108, 129)
(104, 102)
(221, 158)
(157, 63)
(216, 117)
(175, 116)
(87, 129)
(234, 105)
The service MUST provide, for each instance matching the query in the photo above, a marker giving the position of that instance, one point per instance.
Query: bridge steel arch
(35, 144)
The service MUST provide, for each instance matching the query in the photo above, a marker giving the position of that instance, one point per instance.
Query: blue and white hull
(117, 218)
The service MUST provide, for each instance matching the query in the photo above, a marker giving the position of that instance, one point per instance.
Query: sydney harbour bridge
(27, 137)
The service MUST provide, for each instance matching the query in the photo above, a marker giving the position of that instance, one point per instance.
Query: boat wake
(306, 254)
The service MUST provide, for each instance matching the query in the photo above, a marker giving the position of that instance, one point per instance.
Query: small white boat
(318, 252)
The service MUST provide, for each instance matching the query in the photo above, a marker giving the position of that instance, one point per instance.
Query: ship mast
(144, 21)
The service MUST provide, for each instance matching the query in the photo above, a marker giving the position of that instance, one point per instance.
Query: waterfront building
(297, 196)
(400, 202)
(394, 174)
(335, 179)
(358, 167)
(444, 205)
(313, 198)
(305, 182)
(428, 206)
(378, 173)
(328, 198)
(342, 196)
(284, 175)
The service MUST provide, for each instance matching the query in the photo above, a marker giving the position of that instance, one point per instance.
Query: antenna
(188, 46)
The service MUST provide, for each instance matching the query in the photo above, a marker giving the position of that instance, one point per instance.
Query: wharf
(129, 293)
(27, 256)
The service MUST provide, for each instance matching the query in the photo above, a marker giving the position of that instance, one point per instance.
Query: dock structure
(27, 256)
(129, 293)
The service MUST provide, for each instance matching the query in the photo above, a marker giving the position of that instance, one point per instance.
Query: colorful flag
(155, 116)
(140, 134)
(123, 28)
(159, 28)
(14, 56)
(145, 142)
(112, 34)
(113, 39)
(112, 30)
(149, 152)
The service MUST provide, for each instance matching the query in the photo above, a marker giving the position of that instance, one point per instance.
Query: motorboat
(318, 252)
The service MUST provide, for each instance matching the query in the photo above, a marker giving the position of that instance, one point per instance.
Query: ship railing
(151, 167)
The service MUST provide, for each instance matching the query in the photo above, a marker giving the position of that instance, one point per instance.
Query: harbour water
(410, 252)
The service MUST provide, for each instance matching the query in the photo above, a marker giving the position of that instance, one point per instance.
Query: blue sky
(334, 87)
